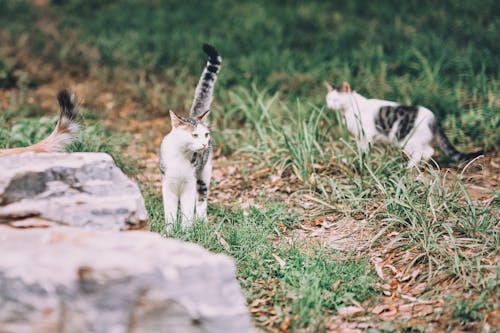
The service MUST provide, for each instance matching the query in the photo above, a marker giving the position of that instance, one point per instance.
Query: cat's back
(375, 104)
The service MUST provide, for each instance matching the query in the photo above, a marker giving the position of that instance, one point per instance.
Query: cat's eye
(195, 135)
(206, 135)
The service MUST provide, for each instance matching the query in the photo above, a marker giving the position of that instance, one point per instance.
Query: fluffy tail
(64, 133)
(448, 148)
(204, 90)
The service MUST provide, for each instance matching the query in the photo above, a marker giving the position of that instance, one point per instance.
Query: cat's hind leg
(418, 149)
(427, 152)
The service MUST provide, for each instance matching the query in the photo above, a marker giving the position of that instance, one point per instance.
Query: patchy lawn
(324, 237)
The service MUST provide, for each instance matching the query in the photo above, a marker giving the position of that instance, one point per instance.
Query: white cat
(186, 165)
(411, 127)
(186, 152)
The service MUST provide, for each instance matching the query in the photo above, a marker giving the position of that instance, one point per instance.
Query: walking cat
(186, 152)
(413, 127)
(62, 135)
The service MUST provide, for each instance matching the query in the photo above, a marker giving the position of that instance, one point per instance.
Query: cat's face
(192, 134)
(200, 137)
(337, 99)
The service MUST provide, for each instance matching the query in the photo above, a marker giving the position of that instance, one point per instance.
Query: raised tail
(64, 132)
(67, 126)
(205, 88)
(448, 148)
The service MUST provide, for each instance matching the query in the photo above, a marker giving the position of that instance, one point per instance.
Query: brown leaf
(336, 284)
(378, 263)
(349, 311)
(285, 323)
(260, 173)
(380, 308)
(414, 310)
(493, 318)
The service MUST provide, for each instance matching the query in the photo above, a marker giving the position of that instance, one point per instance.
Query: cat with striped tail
(186, 152)
(412, 127)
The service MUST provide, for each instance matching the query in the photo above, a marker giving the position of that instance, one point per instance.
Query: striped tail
(64, 133)
(204, 90)
(448, 148)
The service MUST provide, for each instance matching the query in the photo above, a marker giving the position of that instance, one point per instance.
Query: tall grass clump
(430, 212)
(294, 139)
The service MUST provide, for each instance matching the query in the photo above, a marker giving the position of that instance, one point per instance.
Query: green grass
(442, 55)
(439, 54)
(303, 286)
(469, 311)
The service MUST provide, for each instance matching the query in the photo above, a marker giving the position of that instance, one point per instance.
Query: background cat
(62, 135)
(412, 127)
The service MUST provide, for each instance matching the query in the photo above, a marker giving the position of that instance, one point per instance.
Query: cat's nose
(205, 145)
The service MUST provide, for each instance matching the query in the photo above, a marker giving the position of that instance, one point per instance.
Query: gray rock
(70, 280)
(78, 189)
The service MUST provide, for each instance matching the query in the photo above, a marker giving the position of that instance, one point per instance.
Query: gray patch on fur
(389, 115)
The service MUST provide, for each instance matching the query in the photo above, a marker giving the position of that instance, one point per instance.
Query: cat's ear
(329, 87)
(176, 121)
(346, 87)
(203, 118)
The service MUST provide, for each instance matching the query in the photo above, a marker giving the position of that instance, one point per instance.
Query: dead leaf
(349, 311)
(414, 310)
(336, 284)
(285, 323)
(379, 309)
(378, 263)
(260, 173)
(493, 318)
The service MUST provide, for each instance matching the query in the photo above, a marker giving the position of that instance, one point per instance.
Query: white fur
(179, 178)
(360, 114)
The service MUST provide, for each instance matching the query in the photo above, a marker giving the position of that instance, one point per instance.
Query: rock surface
(78, 189)
(70, 280)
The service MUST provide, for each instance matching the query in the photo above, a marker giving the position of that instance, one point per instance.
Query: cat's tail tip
(67, 123)
(67, 104)
(212, 53)
(469, 156)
